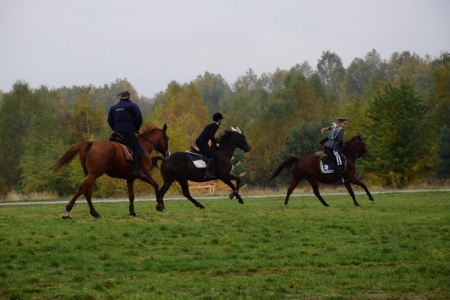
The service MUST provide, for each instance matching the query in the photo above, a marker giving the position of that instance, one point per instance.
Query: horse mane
(225, 136)
(148, 128)
(347, 143)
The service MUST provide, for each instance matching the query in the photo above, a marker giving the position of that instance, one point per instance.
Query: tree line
(399, 106)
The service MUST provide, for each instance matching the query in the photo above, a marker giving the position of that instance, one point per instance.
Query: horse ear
(233, 129)
(238, 130)
(164, 127)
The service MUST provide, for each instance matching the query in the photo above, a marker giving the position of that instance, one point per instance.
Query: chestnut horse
(308, 167)
(179, 167)
(106, 157)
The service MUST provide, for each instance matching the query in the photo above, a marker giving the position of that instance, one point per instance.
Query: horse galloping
(107, 157)
(179, 167)
(307, 167)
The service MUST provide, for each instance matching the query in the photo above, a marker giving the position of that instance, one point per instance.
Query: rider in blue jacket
(125, 118)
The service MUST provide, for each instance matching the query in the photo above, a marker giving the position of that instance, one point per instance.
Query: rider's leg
(210, 164)
(339, 167)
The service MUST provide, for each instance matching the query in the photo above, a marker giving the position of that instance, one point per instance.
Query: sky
(151, 43)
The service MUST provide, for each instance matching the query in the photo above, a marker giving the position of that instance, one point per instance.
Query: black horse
(180, 167)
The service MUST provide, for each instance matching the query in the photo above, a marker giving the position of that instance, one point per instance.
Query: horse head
(158, 138)
(357, 145)
(234, 138)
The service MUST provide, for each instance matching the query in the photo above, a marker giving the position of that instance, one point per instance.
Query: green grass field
(394, 248)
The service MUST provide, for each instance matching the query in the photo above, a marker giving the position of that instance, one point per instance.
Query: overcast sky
(80, 42)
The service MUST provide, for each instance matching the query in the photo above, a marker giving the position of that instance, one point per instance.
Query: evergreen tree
(400, 138)
(17, 110)
(443, 141)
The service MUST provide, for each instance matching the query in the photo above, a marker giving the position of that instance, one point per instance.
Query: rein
(358, 155)
(157, 148)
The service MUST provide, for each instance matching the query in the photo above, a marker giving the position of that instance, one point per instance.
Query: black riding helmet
(217, 117)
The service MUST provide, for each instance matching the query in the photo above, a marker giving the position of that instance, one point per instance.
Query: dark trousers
(206, 150)
(132, 141)
(338, 161)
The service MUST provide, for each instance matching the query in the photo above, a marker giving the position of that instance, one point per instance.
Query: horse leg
(130, 187)
(234, 189)
(294, 182)
(185, 188)
(88, 195)
(348, 185)
(160, 196)
(315, 187)
(86, 189)
(355, 181)
(152, 182)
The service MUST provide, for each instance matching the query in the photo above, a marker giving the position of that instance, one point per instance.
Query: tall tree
(440, 100)
(17, 110)
(331, 71)
(363, 72)
(182, 108)
(443, 141)
(86, 120)
(400, 140)
(411, 67)
(213, 88)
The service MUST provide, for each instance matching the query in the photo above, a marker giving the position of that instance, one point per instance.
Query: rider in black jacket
(203, 139)
(125, 118)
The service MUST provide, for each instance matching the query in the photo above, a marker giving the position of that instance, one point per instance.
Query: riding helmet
(217, 117)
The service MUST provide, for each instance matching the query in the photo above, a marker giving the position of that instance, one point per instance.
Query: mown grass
(395, 248)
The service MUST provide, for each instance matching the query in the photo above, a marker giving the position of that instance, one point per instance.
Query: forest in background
(400, 107)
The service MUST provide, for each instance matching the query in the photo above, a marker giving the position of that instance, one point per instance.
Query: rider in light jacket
(334, 145)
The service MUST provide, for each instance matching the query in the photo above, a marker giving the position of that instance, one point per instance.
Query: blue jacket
(125, 116)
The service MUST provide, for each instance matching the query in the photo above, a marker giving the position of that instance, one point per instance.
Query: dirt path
(220, 197)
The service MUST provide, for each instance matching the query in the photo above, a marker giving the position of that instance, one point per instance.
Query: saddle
(326, 165)
(118, 139)
(197, 158)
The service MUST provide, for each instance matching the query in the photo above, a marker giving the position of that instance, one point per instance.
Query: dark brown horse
(179, 167)
(106, 157)
(308, 167)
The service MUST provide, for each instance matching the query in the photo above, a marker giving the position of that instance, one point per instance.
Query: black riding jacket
(208, 134)
(125, 116)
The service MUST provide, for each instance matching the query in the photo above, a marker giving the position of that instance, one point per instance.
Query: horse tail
(69, 156)
(155, 160)
(288, 163)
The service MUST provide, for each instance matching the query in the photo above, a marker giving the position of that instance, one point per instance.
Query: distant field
(397, 247)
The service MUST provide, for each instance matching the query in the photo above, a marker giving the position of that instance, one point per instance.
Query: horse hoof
(241, 201)
(66, 217)
(133, 214)
(161, 209)
(95, 214)
(371, 199)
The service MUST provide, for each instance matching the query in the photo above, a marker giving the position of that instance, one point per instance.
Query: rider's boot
(137, 165)
(208, 172)
(339, 179)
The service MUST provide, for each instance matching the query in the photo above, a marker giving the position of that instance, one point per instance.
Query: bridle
(157, 148)
(358, 154)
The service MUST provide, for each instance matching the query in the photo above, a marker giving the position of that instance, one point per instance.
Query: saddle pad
(326, 167)
(128, 153)
(197, 160)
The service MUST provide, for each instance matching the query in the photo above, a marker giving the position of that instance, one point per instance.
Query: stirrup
(208, 175)
(140, 174)
(341, 181)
